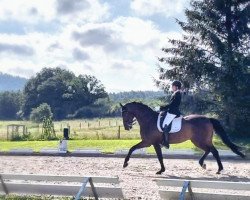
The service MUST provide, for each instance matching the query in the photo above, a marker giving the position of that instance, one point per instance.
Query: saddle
(175, 122)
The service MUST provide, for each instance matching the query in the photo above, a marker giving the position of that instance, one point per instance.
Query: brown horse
(197, 128)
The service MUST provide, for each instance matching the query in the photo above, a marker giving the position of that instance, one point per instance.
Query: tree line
(60, 93)
(11, 83)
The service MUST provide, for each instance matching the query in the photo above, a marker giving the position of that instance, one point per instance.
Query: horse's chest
(145, 132)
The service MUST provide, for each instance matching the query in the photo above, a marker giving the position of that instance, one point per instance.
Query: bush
(41, 112)
(100, 108)
(85, 112)
(24, 137)
(48, 129)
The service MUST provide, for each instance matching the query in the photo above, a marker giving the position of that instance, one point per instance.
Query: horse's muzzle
(128, 127)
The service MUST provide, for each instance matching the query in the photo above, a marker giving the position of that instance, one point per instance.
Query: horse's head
(128, 117)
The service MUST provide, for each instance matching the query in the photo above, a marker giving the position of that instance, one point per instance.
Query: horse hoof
(125, 165)
(218, 172)
(204, 166)
(159, 172)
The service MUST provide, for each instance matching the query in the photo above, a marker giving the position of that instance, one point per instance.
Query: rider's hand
(162, 108)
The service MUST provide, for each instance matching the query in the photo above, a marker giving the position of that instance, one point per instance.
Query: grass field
(96, 133)
(106, 146)
(79, 129)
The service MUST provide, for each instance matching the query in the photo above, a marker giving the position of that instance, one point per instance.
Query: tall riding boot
(165, 136)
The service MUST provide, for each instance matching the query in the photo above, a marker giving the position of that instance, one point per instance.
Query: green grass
(106, 146)
(95, 133)
(106, 128)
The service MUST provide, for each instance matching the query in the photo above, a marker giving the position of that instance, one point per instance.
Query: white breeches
(168, 119)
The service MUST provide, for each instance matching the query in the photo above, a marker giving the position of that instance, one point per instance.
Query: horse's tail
(223, 135)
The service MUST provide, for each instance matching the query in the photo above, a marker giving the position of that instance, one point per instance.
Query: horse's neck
(144, 115)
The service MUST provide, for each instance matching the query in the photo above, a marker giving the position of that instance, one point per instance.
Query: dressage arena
(137, 179)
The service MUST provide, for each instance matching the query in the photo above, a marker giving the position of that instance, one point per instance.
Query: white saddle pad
(176, 124)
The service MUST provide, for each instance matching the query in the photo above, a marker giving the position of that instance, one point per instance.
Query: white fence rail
(169, 192)
(61, 185)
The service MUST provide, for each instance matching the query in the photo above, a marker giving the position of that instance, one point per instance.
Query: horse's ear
(121, 105)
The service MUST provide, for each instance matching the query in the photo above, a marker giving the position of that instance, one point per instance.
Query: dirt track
(136, 179)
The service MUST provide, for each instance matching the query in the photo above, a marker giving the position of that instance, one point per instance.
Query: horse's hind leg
(201, 161)
(140, 145)
(160, 157)
(217, 157)
(206, 148)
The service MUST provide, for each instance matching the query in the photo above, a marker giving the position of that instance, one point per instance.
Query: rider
(172, 110)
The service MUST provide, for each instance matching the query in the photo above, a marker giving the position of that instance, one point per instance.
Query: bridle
(128, 122)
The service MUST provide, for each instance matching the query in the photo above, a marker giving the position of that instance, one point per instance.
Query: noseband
(129, 123)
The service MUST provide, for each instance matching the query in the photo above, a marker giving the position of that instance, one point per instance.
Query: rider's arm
(163, 108)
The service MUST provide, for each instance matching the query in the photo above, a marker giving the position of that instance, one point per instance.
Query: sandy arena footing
(136, 180)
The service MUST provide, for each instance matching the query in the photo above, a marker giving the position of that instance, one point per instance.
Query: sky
(117, 41)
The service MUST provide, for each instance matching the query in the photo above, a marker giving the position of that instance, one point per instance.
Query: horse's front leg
(160, 157)
(140, 145)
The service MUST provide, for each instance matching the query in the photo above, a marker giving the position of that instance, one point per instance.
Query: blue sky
(118, 41)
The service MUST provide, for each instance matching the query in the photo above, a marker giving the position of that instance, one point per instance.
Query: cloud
(64, 11)
(54, 46)
(81, 11)
(97, 36)
(101, 35)
(80, 55)
(21, 71)
(121, 36)
(33, 11)
(82, 37)
(166, 8)
(21, 50)
(27, 11)
(137, 32)
(71, 6)
(121, 65)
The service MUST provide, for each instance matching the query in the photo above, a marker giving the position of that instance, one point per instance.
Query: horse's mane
(140, 105)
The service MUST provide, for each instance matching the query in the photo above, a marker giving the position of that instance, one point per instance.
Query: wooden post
(116, 123)
(109, 123)
(88, 124)
(7, 132)
(12, 131)
(61, 128)
(69, 129)
(119, 133)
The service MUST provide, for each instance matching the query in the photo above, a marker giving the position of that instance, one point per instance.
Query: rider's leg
(166, 131)
(167, 127)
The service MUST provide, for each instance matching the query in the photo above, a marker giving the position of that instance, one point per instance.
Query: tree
(62, 90)
(48, 129)
(40, 113)
(10, 104)
(213, 55)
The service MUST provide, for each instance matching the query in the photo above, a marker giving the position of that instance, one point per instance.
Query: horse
(197, 128)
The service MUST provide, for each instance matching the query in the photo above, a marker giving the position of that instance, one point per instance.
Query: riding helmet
(177, 84)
